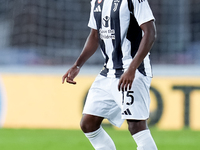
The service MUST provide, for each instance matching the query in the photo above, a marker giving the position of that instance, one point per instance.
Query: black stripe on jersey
(134, 35)
(115, 24)
(103, 49)
(119, 72)
(130, 5)
(104, 71)
(98, 16)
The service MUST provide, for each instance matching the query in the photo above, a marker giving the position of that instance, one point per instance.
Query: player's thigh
(101, 102)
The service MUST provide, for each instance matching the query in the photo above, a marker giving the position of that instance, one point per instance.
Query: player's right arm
(89, 49)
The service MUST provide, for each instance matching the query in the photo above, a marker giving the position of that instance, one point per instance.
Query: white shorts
(106, 101)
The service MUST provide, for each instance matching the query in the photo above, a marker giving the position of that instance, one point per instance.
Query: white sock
(100, 140)
(144, 140)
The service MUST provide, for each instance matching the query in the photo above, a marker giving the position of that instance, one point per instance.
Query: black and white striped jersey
(118, 24)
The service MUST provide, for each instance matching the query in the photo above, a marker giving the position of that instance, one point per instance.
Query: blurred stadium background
(44, 37)
(53, 32)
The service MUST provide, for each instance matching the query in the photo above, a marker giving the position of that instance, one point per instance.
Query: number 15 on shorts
(127, 98)
(127, 101)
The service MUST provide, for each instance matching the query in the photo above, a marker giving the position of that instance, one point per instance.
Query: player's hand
(71, 74)
(126, 80)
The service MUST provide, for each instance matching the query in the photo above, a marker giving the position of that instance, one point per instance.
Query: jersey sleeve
(142, 11)
(92, 22)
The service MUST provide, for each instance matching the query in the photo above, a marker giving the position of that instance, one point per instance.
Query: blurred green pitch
(52, 139)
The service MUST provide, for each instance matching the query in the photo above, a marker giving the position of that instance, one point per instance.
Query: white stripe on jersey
(108, 42)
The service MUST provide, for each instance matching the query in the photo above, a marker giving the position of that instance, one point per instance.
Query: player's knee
(90, 124)
(85, 127)
(132, 129)
(135, 126)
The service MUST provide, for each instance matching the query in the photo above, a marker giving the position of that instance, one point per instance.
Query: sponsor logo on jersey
(140, 1)
(106, 21)
(97, 9)
(107, 34)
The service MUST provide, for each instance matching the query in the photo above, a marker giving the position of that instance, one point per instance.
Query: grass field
(51, 139)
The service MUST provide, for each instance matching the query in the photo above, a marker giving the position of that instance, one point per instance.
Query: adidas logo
(97, 9)
(140, 1)
(127, 112)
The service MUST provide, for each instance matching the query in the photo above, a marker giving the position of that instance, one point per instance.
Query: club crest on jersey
(116, 3)
(99, 1)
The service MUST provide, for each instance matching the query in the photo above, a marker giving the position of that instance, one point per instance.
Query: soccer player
(125, 31)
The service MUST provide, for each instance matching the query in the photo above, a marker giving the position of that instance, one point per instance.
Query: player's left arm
(147, 41)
